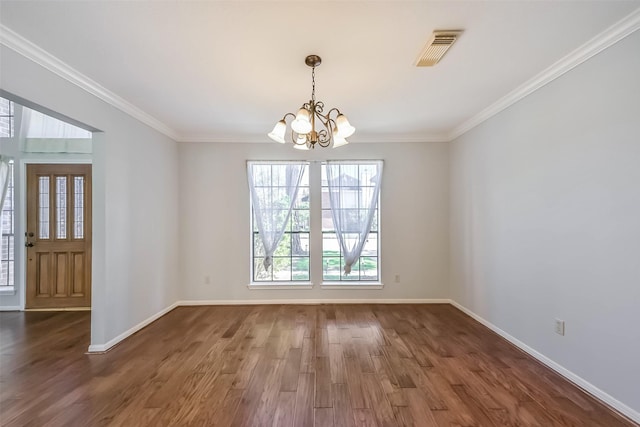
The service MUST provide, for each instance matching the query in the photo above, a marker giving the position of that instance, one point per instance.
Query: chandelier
(303, 127)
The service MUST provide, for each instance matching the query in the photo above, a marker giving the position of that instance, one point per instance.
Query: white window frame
(315, 242)
(276, 284)
(342, 283)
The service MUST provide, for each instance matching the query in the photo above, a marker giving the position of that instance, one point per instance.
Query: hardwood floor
(325, 365)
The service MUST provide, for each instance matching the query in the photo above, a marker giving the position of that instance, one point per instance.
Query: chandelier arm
(332, 110)
(324, 144)
(324, 118)
(284, 119)
(323, 122)
(324, 136)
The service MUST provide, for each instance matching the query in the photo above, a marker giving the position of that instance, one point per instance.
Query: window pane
(331, 268)
(300, 220)
(368, 268)
(281, 269)
(304, 182)
(259, 272)
(7, 249)
(302, 201)
(327, 220)
(6, 120)
(43, 207)
(330, 245)
(370, 246)
(300, 244)
(258, 248)
(353, 275)
(367, 174)
(284, 247)
(61, 207)
(300, 268)
(78, 207)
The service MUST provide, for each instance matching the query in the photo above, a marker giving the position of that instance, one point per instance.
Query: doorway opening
(45, 258)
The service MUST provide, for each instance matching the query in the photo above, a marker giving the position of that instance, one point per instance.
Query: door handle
(29, 244)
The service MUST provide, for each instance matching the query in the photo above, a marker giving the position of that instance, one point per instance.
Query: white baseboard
(10, 308)
(313, 301)
(580, 382)
(101, 348)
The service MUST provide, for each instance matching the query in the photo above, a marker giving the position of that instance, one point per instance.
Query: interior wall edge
(585, 385)
(101, 348)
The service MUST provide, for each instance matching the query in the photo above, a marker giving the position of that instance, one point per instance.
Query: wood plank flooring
(323, 365)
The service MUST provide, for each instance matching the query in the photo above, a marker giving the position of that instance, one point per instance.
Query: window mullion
(315, 232)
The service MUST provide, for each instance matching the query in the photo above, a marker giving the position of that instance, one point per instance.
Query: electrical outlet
(559, 327)
(397, 278)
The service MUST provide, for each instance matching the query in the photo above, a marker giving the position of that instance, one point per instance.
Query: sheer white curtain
(353, 196)
(274, 188)
(4, 179)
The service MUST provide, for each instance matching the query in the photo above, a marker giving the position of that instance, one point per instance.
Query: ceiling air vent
(438, 45)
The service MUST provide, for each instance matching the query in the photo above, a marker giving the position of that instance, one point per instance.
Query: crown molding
(31, 51)
(357, 139)
(224, 139)
(597, 44)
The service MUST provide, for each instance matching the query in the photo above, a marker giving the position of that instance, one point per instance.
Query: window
(8, 237)
(356, 186)
(6, 118)
(281, 204)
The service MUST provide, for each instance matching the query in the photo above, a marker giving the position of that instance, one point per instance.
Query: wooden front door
(58, 236)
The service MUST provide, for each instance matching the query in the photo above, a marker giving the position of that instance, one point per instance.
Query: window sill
(349, 285)
(280, 286)
(7, 290)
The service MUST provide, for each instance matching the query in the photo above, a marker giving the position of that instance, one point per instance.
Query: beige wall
(215, 219)
(546, 221)
(135, 214)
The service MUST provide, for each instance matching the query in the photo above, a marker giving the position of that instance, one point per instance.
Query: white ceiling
(228, 70)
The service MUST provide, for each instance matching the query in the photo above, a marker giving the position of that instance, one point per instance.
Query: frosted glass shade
(345, 130)
(339, 141)
(301, 147)
(302, 123)
(277, 134)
